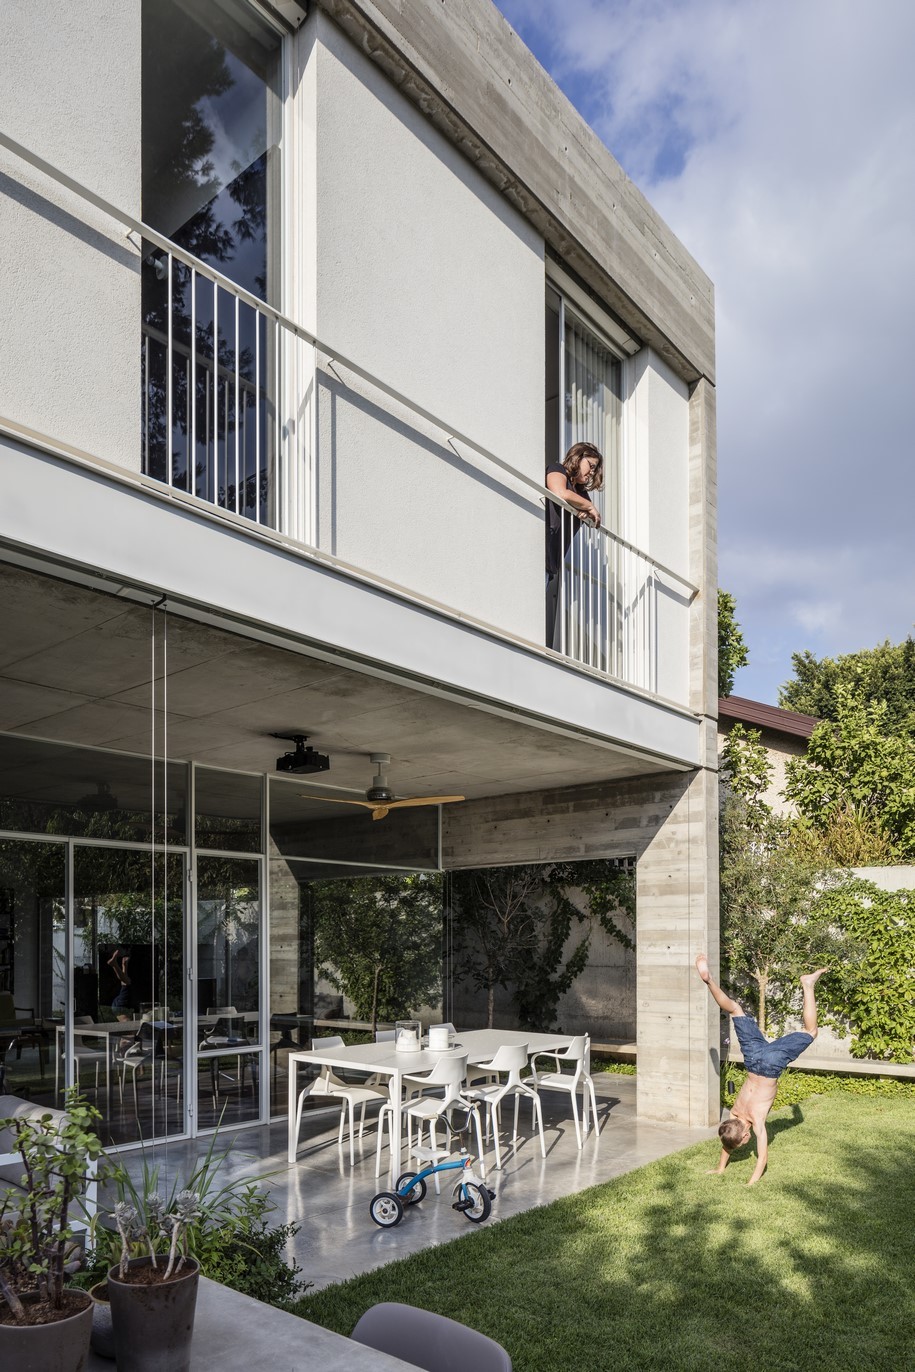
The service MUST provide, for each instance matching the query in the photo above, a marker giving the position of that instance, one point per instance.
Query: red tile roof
(735, 709)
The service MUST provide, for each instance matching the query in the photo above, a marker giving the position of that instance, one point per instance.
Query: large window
(582, 396)
(210, 134)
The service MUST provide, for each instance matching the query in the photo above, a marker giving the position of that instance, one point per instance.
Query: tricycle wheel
(386, 1209)
(417, 1191)
(480, 1206)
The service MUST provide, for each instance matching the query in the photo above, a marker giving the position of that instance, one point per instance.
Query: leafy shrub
(795, 1086)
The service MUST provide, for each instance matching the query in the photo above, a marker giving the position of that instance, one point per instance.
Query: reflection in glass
(128, 946)
(348, 954)
(49, 788)
(32, 969)
(228, 989)
(210, 124)
(228, 811)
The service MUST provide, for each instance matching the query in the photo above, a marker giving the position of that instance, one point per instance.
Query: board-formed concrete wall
(69, 278)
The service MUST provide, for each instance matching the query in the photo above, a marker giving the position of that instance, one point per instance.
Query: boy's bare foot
(702, 967)
(812, 978)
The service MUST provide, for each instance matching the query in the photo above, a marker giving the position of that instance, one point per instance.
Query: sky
(777, 139)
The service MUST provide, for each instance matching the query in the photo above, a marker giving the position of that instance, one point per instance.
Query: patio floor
(337, 1238)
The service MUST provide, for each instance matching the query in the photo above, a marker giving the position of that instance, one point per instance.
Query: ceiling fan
(379, 798)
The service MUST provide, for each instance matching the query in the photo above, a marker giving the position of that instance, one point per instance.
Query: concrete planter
(62, 1346)
(153, 1324)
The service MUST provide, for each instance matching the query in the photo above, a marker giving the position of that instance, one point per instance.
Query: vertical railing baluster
(168, 372)
(146, 405)
(215, 496)
(192, 457)
(257, 416)
(237, 412)
(279, 517)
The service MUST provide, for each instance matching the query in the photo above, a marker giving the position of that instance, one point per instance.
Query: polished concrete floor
(330, 1202)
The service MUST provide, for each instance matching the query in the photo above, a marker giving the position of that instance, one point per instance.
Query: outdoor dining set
(419, 1082)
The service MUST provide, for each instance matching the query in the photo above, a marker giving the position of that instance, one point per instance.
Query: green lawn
(667, 1268)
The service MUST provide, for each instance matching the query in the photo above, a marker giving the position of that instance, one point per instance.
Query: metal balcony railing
(228, 417)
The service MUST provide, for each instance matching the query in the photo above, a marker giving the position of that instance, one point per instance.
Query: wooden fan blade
(424, 800)
(336, 800)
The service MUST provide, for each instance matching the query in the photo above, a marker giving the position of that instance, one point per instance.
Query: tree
(873, 992)
(857, 779)
(732, 649)
(520, 928)
(379, 941)
(772, 928)
(886, 673)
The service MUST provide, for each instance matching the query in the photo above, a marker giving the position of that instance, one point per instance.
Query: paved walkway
(337, 1237)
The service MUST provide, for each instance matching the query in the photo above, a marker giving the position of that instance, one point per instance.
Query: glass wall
(128, 988)
(32, 966)
(228, 938)
(100, 945)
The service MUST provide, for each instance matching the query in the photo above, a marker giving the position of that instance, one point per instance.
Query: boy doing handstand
(764, 1062)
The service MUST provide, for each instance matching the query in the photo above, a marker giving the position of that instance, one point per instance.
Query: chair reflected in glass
(18, 1029)
(222, 1032)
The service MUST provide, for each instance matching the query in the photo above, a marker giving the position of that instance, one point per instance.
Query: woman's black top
(561, 526)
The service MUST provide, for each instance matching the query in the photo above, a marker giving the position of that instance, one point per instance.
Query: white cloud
(776, 137)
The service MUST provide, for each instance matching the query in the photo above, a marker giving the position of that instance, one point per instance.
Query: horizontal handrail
(158, 240)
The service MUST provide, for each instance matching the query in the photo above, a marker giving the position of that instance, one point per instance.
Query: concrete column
(677, 916)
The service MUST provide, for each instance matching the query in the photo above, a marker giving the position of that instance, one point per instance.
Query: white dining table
(479, 1046)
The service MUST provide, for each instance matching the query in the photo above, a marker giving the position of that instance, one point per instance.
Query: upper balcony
(247, 415)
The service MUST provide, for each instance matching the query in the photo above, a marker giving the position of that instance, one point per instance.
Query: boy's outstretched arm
(722, 1164)
(762, 1152)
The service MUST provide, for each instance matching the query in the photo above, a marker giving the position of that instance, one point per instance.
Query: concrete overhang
(309, 646)
(475, 80)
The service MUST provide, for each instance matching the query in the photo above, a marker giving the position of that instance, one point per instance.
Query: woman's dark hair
(595, 479)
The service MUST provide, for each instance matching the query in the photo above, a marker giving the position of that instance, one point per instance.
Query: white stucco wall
(430, 280)
(69, 278)
(656, 501)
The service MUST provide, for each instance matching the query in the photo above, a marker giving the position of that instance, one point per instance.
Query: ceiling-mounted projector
(302, 759)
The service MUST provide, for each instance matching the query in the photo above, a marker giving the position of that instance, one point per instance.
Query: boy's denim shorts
(763, 1058)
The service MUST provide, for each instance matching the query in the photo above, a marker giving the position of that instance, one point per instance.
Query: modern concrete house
(298, 301)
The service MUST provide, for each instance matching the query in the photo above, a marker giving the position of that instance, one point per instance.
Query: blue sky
(777, 139)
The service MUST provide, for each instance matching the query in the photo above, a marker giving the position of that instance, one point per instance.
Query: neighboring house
(298, 301)
(783, 734)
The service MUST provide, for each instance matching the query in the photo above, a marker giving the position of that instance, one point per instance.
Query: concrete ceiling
(75, 667)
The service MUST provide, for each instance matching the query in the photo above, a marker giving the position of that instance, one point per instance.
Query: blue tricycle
(472, 1196)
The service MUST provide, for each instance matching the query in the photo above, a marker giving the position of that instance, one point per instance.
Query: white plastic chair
(84, 1050)
(449, 1073)
(510, 1059)
(579, 1054)
(327, 1084)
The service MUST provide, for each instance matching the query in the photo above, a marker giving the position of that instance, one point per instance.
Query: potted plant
(153, 1296)
(44, 1324)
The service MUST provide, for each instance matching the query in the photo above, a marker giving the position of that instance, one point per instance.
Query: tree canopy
(857, 780)
(732, 648)
(886, 673)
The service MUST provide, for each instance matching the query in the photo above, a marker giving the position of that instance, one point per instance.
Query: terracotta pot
(62, 1346)
(102, 1333)
(153, 1325)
